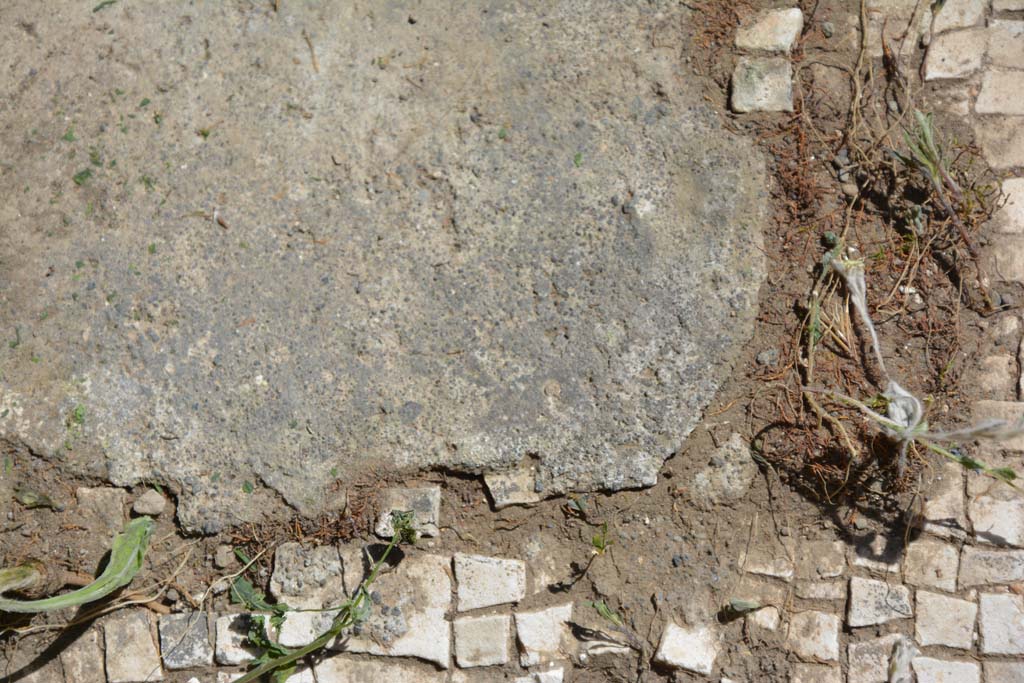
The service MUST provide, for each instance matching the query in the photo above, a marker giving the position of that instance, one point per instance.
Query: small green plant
(280, 663)
(600, 541)
(926, 156)
(606, 612)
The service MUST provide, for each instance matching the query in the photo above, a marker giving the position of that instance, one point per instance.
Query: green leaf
(247, 487)
(606, 612)
(577, 160)
(103, 5)
(244, 593)
(738, 606)
(69, 135)
(1004, 473)
(82, 176)
(127, 553)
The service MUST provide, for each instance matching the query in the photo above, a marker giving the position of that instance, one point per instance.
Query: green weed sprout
(926, 156)
(280, 662)
(904, 419)
(126, 555)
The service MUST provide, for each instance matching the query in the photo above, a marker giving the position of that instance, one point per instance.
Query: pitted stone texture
(185, 640)
(456, 295)
(408, 612)
(984, 567)
(876, 602)
(517, 487)
(482, 641)
(1002, 92)
(1006, 44)
(307, 577)
(341, 669)
(955, 55)
(1002, 141)
(930, 670)
(942, 620)
(688, 648)
(814, 636)
(771, 31)
(132, 654)
(485, 581)
(1001, 623)
(231, 644)
(932, 563)
(815, 673)
(955, 14)
(540, 634)
(762, 84)
(423, 501)
(868, 661)
(727, 476)
(82, 660)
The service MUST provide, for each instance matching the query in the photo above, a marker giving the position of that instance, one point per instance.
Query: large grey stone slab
(265, 250)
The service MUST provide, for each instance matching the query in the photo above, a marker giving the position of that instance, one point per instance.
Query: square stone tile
(955, 55)
(942, 620)
(1004, 672)
(868, 661)
(984, 566)
(132, 654)
(185, 640)
(541, 633)
(931, 563)
(930, 670)
(956, 14)
(486, 581)
(1002, 140)
(1002, 92)
(688, 648)
(814, 636)
(998, 516)
(1001, 623)
(762, 84)
(482, 641)
(815, 673)
(876, 602)
(943, 512)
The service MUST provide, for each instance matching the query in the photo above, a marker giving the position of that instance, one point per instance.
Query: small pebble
(677, 561)
(149, 503)
(828, 28)
(223, 557)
